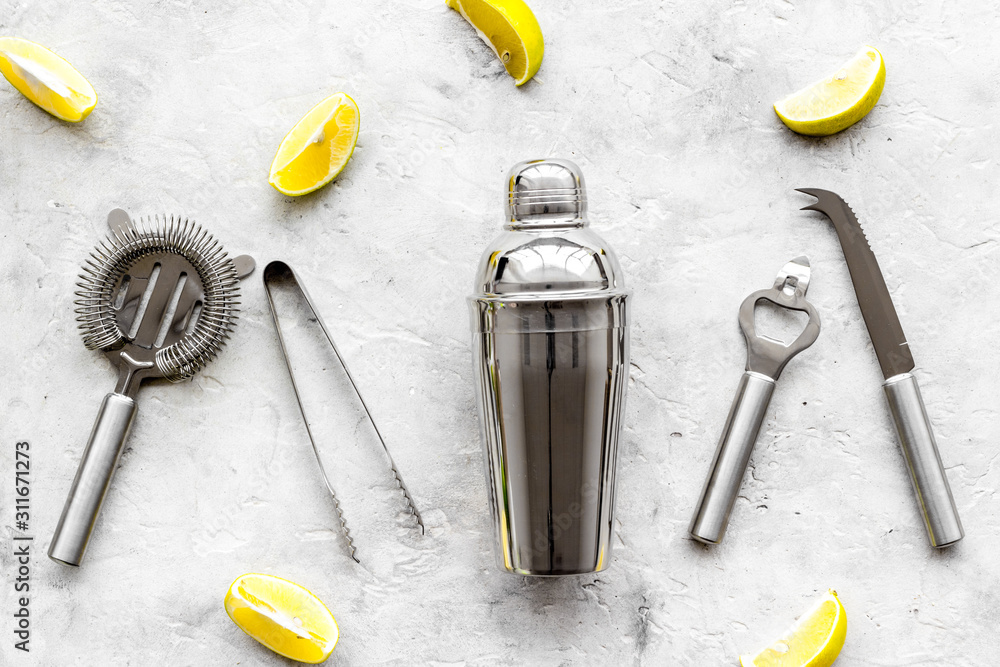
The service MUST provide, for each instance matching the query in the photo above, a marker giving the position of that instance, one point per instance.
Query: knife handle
(922, 458)
(731, 458)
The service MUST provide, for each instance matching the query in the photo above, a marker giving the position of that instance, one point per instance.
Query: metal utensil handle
(922, 458)
(731, 457)
(93, 478)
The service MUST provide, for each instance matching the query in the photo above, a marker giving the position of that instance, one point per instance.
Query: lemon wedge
(511, 30)
(283, 616)
(814, 641)
(318, 147)
(46, 79)
(838, 101)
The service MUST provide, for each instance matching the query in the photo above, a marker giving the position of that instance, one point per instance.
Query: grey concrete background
(667, 107)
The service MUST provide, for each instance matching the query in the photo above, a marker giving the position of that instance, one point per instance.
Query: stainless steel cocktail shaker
(551, 344)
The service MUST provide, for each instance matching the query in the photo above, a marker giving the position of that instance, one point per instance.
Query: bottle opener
(766, 358)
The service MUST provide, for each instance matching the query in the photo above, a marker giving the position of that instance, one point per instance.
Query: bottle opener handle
(732, 457)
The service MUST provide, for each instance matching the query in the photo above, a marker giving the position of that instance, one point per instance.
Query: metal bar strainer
(159, 297)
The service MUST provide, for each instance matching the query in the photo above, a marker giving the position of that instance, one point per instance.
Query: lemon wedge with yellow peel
(318, 147)
(511, 30)
(838, 101)
(283, 616)
(46, 79)
(814, 641)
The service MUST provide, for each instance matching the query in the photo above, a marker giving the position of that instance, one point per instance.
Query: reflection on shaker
(550, 329)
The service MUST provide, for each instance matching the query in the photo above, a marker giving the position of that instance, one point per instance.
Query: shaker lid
(546, 192)
(547, 250)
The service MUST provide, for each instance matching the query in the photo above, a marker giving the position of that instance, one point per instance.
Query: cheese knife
(894, 357)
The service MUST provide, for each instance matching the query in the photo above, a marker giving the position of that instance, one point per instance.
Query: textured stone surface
(666, 106)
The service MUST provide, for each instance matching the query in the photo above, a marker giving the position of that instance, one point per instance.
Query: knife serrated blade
(891, 348)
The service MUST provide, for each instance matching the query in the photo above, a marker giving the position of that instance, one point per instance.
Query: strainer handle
(93, 478)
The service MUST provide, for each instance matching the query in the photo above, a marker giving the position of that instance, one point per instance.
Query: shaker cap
(547, 251)
(546, 192)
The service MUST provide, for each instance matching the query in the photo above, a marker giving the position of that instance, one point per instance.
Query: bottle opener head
(764, 355)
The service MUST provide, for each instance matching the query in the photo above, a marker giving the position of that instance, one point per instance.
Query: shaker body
(552, 378)
(551, 347)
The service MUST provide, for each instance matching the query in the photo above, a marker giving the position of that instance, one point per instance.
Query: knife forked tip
(818, 194)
